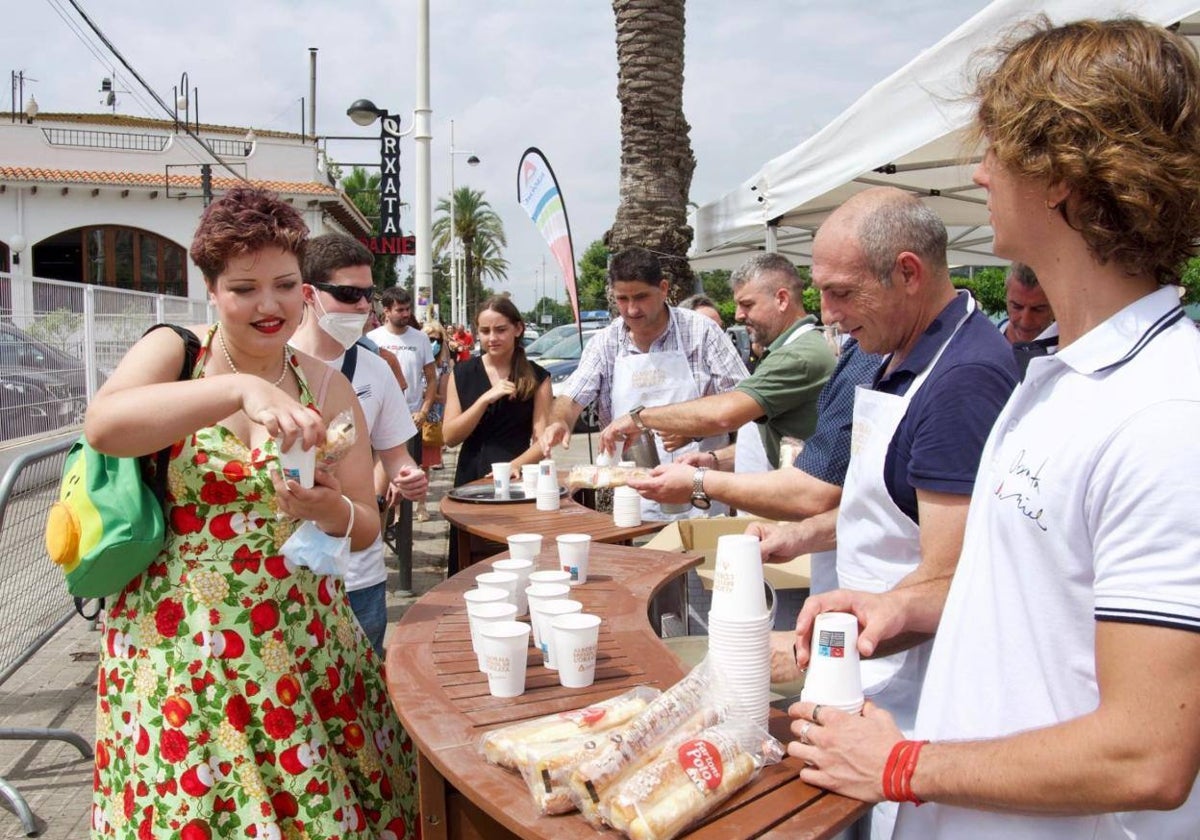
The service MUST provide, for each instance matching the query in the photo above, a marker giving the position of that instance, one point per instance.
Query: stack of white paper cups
(833, 677)
(739, 625)
(627, 507)
(547, 486)
(529, 475)
(522, 569)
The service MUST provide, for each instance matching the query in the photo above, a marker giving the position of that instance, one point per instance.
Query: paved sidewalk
(57, 689)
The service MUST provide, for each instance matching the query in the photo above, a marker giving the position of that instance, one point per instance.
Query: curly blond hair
(1111, 109)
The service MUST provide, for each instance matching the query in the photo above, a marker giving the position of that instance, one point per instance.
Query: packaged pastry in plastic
(691, 776)
(694, 703)
(597, 477)
(510, 746)
(339, 437)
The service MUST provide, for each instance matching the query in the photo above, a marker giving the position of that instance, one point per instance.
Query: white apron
(878, 544)
(653, 379)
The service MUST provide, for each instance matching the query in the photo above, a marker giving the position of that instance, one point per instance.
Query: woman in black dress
(497, 403)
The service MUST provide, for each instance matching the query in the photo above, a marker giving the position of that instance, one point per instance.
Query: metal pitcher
(642, 450)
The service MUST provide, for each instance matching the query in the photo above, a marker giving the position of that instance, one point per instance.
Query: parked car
(548, 339)
(43, 388)
(560, 362)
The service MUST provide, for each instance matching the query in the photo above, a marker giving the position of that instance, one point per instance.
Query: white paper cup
(522, 569)
(738, 590)
(524, 546)
(627, 507)
(834, 677)
(299, 464)
(541, 617)
(480, 614)
(573, 550)
(550, 576)
(504, 581)
(505, 653)
(674, 508)
(575, 637)
(529, 476)
(539, 593)
(502, 478)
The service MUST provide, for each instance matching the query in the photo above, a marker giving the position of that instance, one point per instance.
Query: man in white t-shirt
(337, 294)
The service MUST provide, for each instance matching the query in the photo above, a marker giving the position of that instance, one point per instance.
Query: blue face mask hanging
(317, 551)
(437, 347)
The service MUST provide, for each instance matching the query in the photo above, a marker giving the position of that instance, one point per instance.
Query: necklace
(229, 359)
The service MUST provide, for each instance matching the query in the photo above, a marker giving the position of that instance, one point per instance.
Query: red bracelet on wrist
(898, 772)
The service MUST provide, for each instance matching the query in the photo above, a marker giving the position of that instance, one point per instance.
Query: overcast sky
(760, 77)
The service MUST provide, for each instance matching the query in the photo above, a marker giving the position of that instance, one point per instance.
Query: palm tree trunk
(656, 152)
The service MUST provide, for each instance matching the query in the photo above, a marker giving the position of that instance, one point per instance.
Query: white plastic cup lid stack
(834, 676)
(739, 624)
(627, 507)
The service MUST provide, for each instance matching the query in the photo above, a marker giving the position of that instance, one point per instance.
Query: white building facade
(112, 200)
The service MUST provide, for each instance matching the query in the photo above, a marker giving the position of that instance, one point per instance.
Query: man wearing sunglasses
(337, 297)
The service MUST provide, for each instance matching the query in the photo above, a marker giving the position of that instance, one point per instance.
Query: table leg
(432, 792)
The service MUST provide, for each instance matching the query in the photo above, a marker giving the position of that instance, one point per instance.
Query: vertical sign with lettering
(389, 176)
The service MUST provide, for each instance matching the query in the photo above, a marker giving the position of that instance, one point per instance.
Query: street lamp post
(458, 290)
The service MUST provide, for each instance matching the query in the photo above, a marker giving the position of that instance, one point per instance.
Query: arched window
(113, 255)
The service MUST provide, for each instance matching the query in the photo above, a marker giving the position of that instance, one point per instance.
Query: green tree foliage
(560, 313)
(363, 190)
(592, 280)
(985, 284)
(1190, 280)
(479, 228)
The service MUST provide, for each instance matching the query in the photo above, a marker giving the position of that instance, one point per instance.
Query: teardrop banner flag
(538, 193)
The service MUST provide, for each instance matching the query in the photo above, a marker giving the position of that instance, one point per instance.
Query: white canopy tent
(908, 132)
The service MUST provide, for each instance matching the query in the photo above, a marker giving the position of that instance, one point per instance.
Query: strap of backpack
(162, 458)
(79, 602)
(350, 362)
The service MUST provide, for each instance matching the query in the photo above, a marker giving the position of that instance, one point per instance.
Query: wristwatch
(635, 414)
(699, 497)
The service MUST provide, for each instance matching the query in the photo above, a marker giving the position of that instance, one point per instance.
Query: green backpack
(108, 524)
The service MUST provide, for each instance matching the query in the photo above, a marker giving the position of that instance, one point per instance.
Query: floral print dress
(237, 695)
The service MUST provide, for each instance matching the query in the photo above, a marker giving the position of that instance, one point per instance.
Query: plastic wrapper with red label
(597, 477)
(694, 703)
(691, 776)
(510, 746)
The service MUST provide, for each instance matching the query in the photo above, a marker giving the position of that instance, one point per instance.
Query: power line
(133, 72)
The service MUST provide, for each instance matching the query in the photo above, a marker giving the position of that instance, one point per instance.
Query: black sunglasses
(347, 294)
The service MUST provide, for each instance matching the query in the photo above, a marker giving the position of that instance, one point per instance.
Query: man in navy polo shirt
(880, 265)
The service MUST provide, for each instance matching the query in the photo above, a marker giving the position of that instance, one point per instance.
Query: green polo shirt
(786, 384)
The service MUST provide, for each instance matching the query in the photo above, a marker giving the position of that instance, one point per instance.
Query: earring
(1050, 206)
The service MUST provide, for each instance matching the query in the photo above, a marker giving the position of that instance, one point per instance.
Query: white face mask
(343, 327)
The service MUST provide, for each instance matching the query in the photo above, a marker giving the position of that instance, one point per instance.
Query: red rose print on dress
(173, 745)
(279, 723)
(237, 712)
(217, 492)
(167, 618)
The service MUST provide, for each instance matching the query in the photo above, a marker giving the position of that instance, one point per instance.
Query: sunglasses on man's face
(347, 294)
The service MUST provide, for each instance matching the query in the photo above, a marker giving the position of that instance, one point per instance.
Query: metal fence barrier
(33, 593)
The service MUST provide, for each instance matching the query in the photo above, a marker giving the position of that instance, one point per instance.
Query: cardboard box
(699, 536)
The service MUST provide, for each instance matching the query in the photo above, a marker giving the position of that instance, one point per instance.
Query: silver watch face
(699, 500)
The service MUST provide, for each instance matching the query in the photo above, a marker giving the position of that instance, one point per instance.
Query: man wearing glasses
(337, 297)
